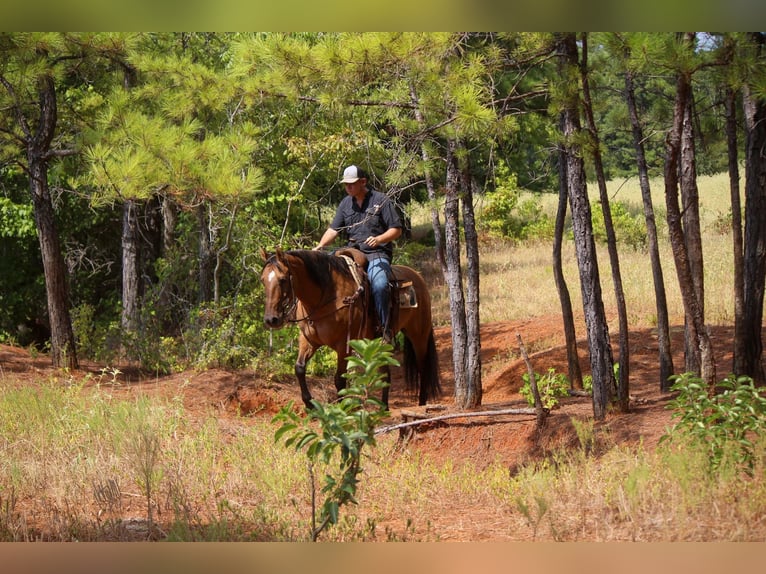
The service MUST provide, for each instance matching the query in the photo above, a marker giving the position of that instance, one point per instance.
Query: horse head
(279, 301)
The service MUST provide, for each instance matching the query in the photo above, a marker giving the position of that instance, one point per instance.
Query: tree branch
(521, 411)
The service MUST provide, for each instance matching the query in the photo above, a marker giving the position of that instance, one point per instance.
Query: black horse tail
(422, 376)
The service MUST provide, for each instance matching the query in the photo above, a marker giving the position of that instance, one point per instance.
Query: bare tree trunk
(692, 234)
(63, 349)
(454, 277)
(692, 306)
(623, 381)
(590, 283)
(570, 335)
(205, 253)
(663, 319)
(130, 268)
(471, 397)
(740, 335)
(755, 227)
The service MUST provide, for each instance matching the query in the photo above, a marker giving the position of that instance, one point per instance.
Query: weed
(346, 427)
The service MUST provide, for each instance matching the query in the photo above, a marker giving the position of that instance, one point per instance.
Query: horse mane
(320, 265)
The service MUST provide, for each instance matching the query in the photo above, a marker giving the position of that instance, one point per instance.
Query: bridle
(287, 299)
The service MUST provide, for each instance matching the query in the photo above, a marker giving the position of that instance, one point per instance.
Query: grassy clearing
(76, 465)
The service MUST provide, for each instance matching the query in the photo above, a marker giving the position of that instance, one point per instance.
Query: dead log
(420, 421)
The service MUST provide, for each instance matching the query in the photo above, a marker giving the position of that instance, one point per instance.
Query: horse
(327, 296)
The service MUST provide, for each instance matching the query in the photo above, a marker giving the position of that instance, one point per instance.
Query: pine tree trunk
(130, 268)
(205, 254)
(663, 320)
(590, 283)
(740, 335)
(63, 349)
(570, 335)
(623, 380)
(454, 277)
(692, 234)
(754, 272)
(692, 307)
(473, 389)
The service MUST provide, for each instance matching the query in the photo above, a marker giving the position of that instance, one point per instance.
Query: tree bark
(454, 277)
(663, 320)
(570, 335)
(623, 379)
(692, 234)
(692, 306)
(740, 335)
(471, 397)
(590, 283)
(206, 255)
(63, 349)
(131, 308)
(754, 272)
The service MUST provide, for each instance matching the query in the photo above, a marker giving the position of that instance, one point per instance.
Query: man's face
(356, 188)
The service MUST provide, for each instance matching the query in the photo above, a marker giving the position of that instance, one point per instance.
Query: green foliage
(507, 218)
(500, 202)
(16, 220)
(629, 228)
(551, 386)
(344, 428)
(725, 423)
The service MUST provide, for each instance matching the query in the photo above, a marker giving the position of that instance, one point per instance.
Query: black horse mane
(320, 265)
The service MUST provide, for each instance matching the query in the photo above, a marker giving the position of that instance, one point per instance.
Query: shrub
(345, 427)
(725, 423)
(551, 386)
(629, 228)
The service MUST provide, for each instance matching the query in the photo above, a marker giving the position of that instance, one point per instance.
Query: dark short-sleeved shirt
(376, 215)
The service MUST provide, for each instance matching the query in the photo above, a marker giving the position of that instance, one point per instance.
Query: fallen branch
(455, 416)
(540, 412)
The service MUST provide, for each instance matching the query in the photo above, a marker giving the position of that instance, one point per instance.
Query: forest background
(141, 173)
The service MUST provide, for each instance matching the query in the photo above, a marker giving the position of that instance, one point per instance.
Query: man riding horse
(372, 224)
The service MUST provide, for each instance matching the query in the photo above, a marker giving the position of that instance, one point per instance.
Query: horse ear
(264, 255)
(279, 253)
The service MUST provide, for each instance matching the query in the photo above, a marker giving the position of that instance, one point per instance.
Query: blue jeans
(379, 272)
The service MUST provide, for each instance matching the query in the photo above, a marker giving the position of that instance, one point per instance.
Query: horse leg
(305, 352)
(384, 394)
(340, 380)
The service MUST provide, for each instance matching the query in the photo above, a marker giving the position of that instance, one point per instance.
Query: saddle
(403, 295)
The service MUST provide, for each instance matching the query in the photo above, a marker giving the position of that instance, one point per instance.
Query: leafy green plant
(551, 386)
(629, 228)
(339, 431)
(725, 422)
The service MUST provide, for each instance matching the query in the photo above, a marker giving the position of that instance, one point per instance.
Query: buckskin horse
(326, 295)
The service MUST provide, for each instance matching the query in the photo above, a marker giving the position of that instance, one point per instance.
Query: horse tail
(422, 376)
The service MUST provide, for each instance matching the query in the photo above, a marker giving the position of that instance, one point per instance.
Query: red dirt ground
(481, 440)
